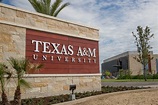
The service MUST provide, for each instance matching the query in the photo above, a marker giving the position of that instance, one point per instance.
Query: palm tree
(21, 67)
(45, 7)
(4, 75)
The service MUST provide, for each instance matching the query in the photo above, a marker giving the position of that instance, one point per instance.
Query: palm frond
(59, 9)
(24, 63)
(5, 75)
(4, 72)
(34, 67)
(24, 83)
(54, 6)
(38, 66)
(8, 74)
(14, 63)
(45, 7)
(36, 5)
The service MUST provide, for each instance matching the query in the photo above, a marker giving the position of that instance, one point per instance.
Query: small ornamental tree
(21, 66)
(142, 40)
(5, 75)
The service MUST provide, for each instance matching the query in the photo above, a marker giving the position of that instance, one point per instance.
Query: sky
(115, 19)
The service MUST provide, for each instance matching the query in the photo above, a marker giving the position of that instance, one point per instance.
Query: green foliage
(142, 40)
(63, 98)
(33, 101)
(25, 83)
(154, 76)
(45, 7)
(21, 66)
(4, 72)
(107, 73)
(5, 75)
(124, 74)
(124, 77)
(121, 71)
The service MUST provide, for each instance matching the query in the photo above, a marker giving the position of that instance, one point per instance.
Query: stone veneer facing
(42, 86)
(13, 25)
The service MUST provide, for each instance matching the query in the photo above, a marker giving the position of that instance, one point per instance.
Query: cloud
(24, 4)
(116, 20)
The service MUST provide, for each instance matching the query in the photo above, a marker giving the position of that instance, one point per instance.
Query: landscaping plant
(21, 66)
(45, 6)
(4, 76)
(142, 40)
(63, 98)
(107, 74)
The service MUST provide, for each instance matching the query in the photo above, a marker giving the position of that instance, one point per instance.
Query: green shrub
(149, 76)
(124, 74)
(107, 73)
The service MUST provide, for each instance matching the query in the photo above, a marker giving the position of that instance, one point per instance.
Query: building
(126, 61)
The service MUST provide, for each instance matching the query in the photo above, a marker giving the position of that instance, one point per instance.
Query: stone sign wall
(15, 27)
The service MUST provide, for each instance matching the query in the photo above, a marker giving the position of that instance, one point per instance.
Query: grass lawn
(129, 80)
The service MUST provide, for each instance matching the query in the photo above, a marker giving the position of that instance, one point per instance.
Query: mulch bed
(63, 98)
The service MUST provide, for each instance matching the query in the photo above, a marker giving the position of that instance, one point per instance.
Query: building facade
(126, 61)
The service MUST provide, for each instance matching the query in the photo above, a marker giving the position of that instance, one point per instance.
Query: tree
(45, 7)
(0, 0)
(142, 40)
(21, 67)
(4, 76)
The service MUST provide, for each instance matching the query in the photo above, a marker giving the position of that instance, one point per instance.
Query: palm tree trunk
(17, 96)
(5, 99)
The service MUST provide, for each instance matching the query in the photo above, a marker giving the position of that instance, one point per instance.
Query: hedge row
(154, 76)
(63, 98)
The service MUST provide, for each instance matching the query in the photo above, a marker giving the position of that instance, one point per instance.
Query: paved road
(128, 84)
